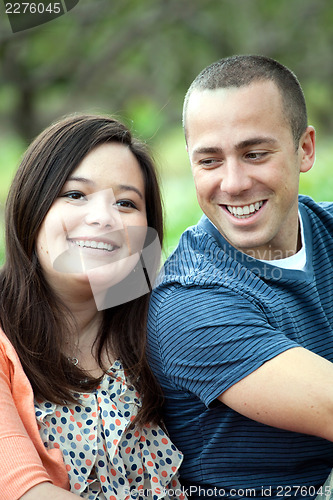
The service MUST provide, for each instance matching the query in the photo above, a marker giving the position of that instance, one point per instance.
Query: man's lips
(244, 211)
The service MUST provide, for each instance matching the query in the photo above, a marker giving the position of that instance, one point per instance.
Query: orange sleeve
(24, 461)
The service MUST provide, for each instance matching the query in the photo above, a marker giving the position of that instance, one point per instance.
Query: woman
(83, 204)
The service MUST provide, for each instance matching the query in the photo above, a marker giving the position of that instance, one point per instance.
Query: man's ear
(307, 149)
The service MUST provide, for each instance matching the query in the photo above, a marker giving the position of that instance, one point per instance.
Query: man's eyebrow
(256, 141)
(207, 150)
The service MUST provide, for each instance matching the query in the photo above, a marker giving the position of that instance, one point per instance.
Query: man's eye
(209, 162)
(74, 195)
(256, 155)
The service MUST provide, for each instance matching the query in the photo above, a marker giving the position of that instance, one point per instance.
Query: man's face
(246, 167)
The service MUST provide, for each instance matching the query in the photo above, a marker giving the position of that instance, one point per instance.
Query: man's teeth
(94, 244)
(245, 211)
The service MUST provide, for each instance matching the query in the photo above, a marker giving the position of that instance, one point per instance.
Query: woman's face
(95, 229)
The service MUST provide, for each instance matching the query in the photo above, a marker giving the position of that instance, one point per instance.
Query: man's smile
(245, 211)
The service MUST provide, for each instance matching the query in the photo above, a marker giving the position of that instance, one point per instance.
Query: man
(241, 325)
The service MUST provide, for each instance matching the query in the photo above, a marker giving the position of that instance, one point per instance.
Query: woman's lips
(95, 244)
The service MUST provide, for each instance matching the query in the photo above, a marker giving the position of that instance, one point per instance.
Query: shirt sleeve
(209, 339)
(21, 467)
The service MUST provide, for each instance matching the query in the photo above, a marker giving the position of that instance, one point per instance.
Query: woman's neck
(81, 345)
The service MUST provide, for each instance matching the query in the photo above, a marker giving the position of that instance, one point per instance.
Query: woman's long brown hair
(32, 316)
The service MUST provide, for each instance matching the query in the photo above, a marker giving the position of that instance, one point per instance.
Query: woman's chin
(104, 277)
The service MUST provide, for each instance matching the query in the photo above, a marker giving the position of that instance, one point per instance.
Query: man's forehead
(239, 103)
(199, 95)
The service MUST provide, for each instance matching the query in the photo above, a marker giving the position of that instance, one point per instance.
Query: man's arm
(292, 391)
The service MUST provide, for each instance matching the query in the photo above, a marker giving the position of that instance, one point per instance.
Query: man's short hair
(242, 70)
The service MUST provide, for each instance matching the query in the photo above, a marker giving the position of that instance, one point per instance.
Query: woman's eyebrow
(128, 187)
(121, 187)
(80, 179)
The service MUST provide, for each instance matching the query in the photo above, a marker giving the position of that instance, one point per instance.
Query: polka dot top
(105, 460)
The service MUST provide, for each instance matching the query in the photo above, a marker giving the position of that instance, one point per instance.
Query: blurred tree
(141, 55)
(136, 59)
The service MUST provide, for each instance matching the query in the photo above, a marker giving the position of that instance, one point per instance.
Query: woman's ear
(307, 149)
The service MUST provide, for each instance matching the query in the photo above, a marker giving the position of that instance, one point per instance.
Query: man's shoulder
(318, 222)
(319, 209)
(197, 259)
(201, 266)
(186, 257)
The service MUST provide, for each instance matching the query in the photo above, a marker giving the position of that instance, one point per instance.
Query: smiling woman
(97, 225)
(83, 407)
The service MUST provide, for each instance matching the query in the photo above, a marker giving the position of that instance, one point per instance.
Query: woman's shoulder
(5, 343)
(8, 355)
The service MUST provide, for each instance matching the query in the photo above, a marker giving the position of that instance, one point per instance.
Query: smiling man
(241, 325)
(246, 167)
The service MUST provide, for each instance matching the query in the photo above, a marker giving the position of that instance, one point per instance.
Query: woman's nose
(102, 212)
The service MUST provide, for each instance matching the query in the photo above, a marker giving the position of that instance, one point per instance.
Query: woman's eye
(125, 204)
(74, 195)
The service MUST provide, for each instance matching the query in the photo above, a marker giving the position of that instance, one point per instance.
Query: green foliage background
(136, 58)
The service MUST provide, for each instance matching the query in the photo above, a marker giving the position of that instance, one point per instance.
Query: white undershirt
(296, 261)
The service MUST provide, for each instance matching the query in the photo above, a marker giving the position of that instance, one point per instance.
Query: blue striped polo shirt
(216, 316)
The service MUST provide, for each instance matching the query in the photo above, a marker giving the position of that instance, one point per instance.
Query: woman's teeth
(94, 244)
(245, 211)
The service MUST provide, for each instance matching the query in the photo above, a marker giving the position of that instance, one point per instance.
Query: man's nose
(235, 178)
